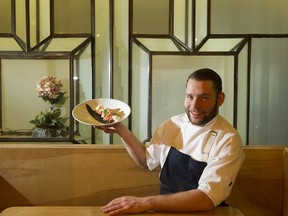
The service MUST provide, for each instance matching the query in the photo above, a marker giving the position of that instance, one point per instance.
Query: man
(199, 152)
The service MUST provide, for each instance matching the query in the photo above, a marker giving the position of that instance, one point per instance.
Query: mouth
(196, 114)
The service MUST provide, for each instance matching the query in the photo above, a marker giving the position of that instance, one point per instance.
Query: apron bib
(180, 172)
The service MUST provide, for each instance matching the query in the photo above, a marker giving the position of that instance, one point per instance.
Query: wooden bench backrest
(70, 175)
(93, 175)
(285, 187)
(259, 186)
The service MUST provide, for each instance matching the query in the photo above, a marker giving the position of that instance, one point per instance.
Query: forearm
(135, 148)
(188, 201)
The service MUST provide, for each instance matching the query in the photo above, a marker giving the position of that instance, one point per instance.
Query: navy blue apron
(180, 173)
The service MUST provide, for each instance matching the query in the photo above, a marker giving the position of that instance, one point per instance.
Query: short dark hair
(207, 74)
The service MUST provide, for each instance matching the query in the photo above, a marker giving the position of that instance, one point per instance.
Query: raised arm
(134, 146)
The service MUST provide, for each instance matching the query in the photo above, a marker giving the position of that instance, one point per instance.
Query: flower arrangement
(49, 89)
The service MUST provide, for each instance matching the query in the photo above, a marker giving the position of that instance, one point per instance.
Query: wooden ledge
(95, 211)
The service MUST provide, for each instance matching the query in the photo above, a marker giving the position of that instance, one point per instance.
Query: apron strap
(211, 138)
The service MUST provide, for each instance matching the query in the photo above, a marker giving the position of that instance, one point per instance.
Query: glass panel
(14, 70)
(268, 104)
(158, 44)
(76, 19)
(33, 13)
(173, 71)
(39, 21)
(61, 44)
(183, 18)
(225, 44)
(20, 17)
(21, 104)
(120, 63)
(102, 58)
(140, 86)
(157, 22)
(44, 19)
(5, 17)
(242, 97)
(183, 21)
(249, 17)
(9, 44)
(83, 90)
(201, 21)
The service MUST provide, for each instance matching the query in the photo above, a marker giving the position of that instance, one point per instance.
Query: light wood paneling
(39, 174)
(259, 185)
(70, 175)
(285, 187)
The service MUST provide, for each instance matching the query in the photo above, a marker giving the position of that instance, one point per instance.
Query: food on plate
(107, 114)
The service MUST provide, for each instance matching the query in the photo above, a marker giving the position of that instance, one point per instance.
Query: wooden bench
(260, 188)
(55, 174)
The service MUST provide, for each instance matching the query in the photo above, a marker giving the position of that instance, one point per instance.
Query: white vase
(41, 133)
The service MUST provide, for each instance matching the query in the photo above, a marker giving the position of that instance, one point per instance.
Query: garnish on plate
(107, 114)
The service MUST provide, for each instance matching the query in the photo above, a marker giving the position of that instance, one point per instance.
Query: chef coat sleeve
(222, 168)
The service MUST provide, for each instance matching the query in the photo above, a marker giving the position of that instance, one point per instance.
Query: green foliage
(60, 100)
(51, 120)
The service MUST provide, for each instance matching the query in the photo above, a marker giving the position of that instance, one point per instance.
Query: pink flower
(49, 88)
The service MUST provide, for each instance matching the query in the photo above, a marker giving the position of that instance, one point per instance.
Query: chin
(196, 122)
(199, 124)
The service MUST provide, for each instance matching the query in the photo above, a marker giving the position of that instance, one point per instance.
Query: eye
(190, 97)
(204, 98)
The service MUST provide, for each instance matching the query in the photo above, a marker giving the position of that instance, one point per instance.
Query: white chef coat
(217, 143)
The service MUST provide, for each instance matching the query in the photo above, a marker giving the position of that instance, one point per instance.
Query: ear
(221, 98)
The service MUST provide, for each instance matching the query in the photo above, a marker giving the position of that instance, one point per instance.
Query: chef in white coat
(199, 152)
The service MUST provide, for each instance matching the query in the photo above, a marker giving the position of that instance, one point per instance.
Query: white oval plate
(81, 114)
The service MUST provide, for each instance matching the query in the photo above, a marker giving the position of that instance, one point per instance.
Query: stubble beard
(205, 119)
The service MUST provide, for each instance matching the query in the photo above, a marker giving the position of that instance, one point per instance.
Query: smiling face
(201, 102)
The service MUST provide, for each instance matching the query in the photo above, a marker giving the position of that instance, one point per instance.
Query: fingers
(108, 129)
(119, 206)
(99, 127)
(113, 208)
(103, 128)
